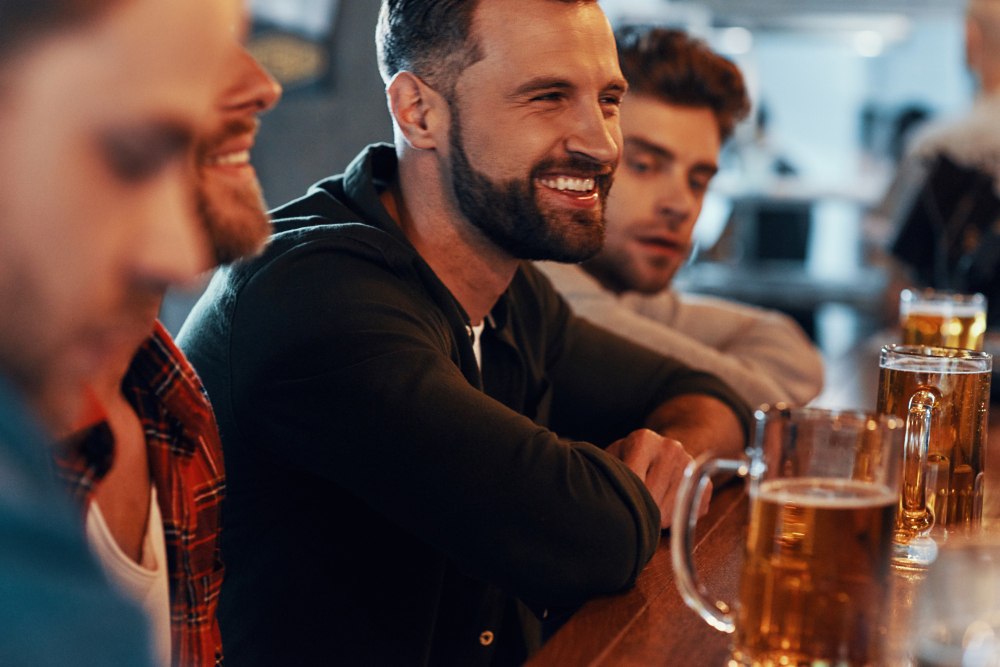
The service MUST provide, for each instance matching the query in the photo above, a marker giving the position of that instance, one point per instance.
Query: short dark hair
(431, 38)
(671, 65)
(22, 21)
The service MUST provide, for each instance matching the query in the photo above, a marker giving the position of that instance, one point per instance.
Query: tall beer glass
(943, 395)
(942, 319)
(814, 585)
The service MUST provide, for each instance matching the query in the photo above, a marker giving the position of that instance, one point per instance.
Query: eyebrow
(649, 147)
(541, 83)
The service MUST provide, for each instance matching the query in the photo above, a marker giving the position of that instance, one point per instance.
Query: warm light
(736, 41)
(869, 43)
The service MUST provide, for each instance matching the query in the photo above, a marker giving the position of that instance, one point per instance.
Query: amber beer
(815, 584)
(946, 392)
(942, 319)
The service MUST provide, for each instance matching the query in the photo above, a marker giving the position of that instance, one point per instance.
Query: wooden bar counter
(651, 625)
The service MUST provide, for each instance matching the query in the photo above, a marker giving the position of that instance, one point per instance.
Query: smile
(568, 184)
(236, 158)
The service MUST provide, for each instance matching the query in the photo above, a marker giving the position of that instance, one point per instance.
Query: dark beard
(508, 213)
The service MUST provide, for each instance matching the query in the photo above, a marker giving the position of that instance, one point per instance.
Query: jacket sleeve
(605, 386)
(342, 369)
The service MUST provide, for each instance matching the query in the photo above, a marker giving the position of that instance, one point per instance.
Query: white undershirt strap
(145, 583)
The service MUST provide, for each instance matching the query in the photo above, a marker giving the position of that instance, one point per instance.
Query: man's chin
(575, 238)
(652, 284)
(237, 222)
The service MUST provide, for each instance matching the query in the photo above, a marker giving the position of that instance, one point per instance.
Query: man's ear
(419, 111)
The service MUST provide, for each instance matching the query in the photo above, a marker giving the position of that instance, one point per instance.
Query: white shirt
(477, 332)
(145, 583)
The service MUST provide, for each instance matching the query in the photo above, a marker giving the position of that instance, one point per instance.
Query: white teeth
(239, 157)
(568, 183)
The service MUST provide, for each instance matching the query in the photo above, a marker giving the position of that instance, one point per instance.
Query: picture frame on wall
(292, 40)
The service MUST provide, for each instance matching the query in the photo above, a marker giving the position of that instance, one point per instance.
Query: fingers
(659, 462)
(706, 498)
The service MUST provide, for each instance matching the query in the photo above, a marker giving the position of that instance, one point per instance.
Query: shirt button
(486, 638)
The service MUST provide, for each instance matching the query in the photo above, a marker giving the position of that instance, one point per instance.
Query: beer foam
(826, 493)
(942, 309)
(956, 365)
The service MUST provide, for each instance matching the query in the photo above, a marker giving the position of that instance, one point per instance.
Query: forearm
(701, 423)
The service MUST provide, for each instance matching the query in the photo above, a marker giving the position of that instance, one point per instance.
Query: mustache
(575, 166)
(224, 132)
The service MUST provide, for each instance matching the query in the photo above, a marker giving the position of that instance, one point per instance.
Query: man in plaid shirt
(146, 466)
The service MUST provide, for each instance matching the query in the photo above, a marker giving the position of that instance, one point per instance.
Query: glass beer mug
(814, 585)
(942, 319)
(943, 395)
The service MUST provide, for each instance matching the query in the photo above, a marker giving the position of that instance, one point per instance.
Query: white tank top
(145, 583)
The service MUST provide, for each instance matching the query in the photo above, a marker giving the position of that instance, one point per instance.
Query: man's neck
(474, 270)
(604, 278)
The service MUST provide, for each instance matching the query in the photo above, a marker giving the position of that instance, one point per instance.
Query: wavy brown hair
(672, 66)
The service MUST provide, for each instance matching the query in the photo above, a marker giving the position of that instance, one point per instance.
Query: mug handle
(914, 517)
(716, 613)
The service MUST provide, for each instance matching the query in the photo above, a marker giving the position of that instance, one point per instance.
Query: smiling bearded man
(418, 431)
(152, 496)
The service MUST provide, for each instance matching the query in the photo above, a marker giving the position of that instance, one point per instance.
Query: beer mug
(942, 319)
(814, 585)
(943, 395)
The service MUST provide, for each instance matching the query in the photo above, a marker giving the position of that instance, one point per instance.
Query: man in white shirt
(683, 103)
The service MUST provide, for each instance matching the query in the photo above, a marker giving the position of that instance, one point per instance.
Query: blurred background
(838, 86)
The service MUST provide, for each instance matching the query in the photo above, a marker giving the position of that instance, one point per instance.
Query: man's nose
(594, 135)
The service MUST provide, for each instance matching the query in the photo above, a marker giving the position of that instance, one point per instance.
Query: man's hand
(659, 462)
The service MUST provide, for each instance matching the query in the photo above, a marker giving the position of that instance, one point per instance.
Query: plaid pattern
(185, 461)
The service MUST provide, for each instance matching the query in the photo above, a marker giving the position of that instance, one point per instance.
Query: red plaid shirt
(185, 462)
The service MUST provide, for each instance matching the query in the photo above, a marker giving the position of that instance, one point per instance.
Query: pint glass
(943, 395)
(942, 319)
(814, 584)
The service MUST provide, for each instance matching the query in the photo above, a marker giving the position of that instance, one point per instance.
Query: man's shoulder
(571, 280)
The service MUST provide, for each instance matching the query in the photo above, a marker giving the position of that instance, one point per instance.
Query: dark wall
(314, 133)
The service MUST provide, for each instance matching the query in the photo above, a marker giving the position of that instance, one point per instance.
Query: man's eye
(547, 97)
(642, 165)
(699, 185)
(136, 155)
